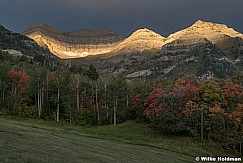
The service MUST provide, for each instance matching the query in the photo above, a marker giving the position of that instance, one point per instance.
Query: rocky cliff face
(141, 40)
(212, 31)
(83, 43)
(205, 49)
(74, 44)
(202, 32)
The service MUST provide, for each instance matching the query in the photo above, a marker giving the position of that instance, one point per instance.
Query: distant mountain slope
(11, 40)
(218, 34)
(83, 43)
(212, 31)
(206, 49)
(73, 44)
(18, 45)
(140, 40)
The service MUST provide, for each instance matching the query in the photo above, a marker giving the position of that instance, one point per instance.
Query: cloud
(121, 16)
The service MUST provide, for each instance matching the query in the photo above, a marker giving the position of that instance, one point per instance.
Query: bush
(170, 123)
(81, 117)
(24, 111)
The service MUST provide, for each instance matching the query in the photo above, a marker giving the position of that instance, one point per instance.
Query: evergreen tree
(92, 73)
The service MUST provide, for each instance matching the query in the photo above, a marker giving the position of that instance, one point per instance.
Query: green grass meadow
(39, 141)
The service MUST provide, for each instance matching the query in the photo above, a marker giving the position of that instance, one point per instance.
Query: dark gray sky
(120, 16)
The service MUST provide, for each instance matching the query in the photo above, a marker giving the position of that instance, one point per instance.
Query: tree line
(33, 90)
(209, 110)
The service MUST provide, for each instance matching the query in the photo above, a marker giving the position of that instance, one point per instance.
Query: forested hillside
(205, 109)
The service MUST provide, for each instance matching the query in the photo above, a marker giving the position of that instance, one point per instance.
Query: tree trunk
(42, 98)
(97, 106)
(15, 90)
(127, 102)
(82, 98)
(47, 93)
(201, 124)
(58, 104)
(107, 110)
(115, 108)
(3, 93)
(93, 100)
(38, 99)
(106, 105)
(77, 87)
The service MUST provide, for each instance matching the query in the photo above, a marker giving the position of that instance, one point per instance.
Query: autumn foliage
(181, 107)
(18, 80)
(188, 105)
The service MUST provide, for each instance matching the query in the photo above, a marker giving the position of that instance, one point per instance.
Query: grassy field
(39, 141)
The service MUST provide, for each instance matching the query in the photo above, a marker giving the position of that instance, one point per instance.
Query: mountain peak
(205, 24)
(199, 22)
(41, 27)
(142, 39)
(145, 32)
(74, 44)
(2, 27)
(40, 24)
(213, 32)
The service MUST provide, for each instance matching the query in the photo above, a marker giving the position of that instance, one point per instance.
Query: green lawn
(39, 141)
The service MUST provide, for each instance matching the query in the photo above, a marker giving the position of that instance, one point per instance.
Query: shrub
(170, 123)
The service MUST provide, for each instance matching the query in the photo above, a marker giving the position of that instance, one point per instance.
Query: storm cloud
(120, 16)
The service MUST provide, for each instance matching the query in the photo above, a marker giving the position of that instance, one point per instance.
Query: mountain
(205, 49)
(140, 40)
(218, 34)
(11, 40)
(73, 44)
(212, 31)
(211, 49)
(19, 45)
(83, 43)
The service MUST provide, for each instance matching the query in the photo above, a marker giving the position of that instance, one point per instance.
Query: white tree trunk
(97, 106)
(77, 87)
(58, 104)
(3, 93)
(38, 99)
(106, 105)
(115, 108)
(93, 100)
(42, 98)
(47, 92)
(107, 110)
(82, 98)
(127, 101)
